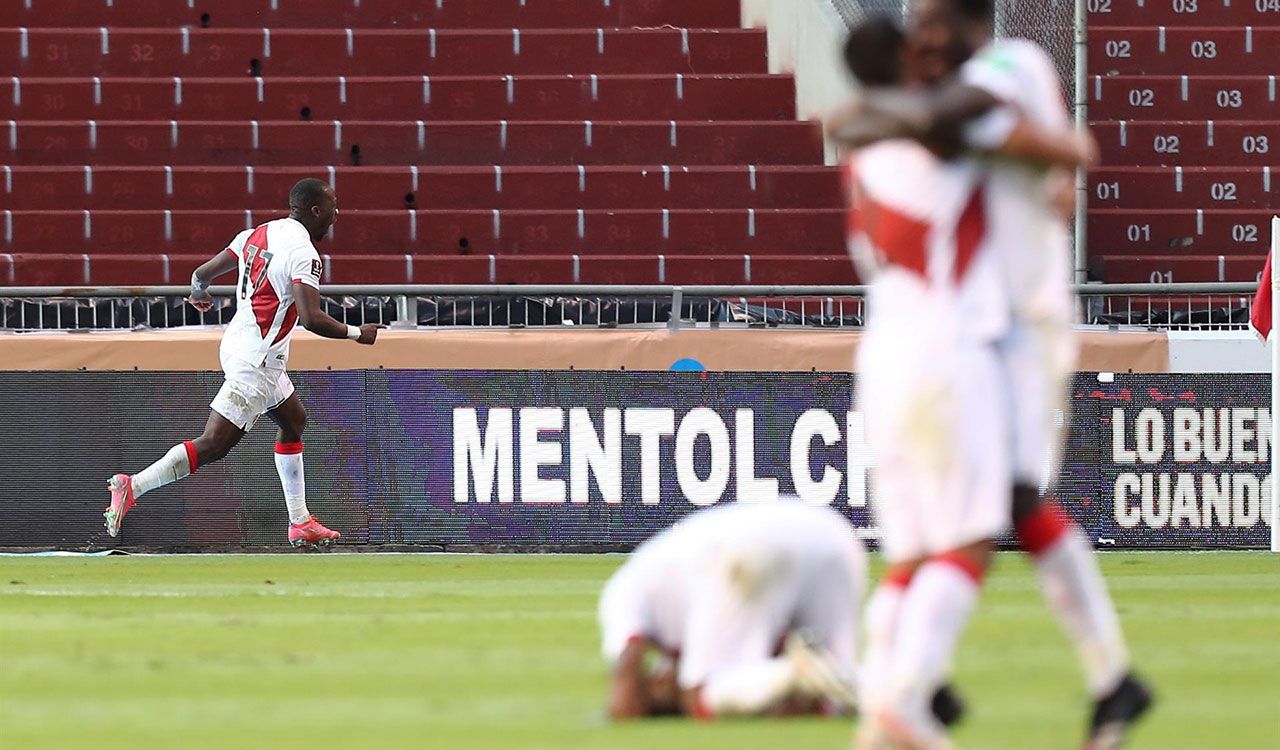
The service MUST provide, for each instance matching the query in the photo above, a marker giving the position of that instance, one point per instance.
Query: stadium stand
(1182, 96)
(592, 141)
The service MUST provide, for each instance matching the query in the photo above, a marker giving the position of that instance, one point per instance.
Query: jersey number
(256, 261)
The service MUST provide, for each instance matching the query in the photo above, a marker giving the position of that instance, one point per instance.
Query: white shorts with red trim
(936, 423)
(249, 391)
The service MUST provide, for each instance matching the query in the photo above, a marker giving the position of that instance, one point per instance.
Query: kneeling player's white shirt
(724, 585)
(271, 258)
(255, 346)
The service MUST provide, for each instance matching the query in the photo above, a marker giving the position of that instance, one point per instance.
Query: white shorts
(937, 428)
(1037, 359)
(249, 392)
(754, 591)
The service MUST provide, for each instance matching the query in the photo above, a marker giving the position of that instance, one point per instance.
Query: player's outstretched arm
(223, 262)
(315, 319)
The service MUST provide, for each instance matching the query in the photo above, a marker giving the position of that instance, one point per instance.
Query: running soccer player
(718, 593)
(278, 286)
(1004, 81)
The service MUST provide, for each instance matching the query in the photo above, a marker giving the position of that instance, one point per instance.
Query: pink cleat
(312, 533)
(121, 487)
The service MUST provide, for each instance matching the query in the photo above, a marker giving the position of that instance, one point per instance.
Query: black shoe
(1116, 713)
(946, 706)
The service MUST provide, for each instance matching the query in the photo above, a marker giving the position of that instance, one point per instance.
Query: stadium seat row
(1203, 51)
(571, 187)
(1194, 143)
(769, 231)
(378, 52)
(668, 97)
(1184, 98)
(149, 269)
(386, 143)
(1191, 230)
(553, 14)
(1183, 187)
(1184, 12)
(1169, 269)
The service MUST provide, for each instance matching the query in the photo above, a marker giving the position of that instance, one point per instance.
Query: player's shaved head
(313, 204)
(306, 193)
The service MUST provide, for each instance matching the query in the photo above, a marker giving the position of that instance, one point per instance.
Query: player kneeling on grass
(278, 287)
(753, 609)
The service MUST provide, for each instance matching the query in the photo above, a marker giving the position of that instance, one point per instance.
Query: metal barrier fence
(1214, 306)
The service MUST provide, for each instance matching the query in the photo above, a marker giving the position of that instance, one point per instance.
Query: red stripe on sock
(963, 563)
(701, 710)
(1042, 529)
(193, 460)
(288, 449)
(898, 576)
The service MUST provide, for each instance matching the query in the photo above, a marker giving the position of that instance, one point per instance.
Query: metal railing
(1213, 306)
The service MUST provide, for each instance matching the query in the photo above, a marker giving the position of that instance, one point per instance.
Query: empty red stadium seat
(379, 52)
(1203, 143)
(554, 14)
(1228, 232)
(1209, 50)
(486, 141)
(1183, 98)
(515, 98)
(1181, 187)
(377, 143)
(519, 232)
(1170, 269)
(386, 188)
(1184, 13)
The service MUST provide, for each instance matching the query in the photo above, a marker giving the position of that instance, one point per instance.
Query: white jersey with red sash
(271, 258)
(929, 381)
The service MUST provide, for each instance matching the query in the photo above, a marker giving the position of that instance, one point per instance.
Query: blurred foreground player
(278, 287)
(930, 390)
(981, 88)
(755, 606)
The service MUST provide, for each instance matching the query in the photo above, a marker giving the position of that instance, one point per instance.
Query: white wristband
(197, 285)
(353, 333)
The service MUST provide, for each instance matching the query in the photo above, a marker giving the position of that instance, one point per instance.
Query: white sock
(292, 479)
(934, 612)
(880, 621)
(1076, 593)
(751, 688)
(171, 467)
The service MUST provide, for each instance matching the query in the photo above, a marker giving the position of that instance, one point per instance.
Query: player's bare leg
(291, 419)
(1075, 591)
(182, 460)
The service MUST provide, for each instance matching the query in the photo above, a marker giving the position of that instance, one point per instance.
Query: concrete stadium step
(555, 14)
(1183, 13)
(569, 187)
(1183, 187)
(1187, 143)
(1202, 50)
(1191, 231)
(391, 143)
(515, 98)
(150, 269)
(690, 232)
(363, 52)
(1169, 269)
(1185, 97)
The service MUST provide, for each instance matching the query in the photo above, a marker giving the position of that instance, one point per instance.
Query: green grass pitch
(500, 651)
